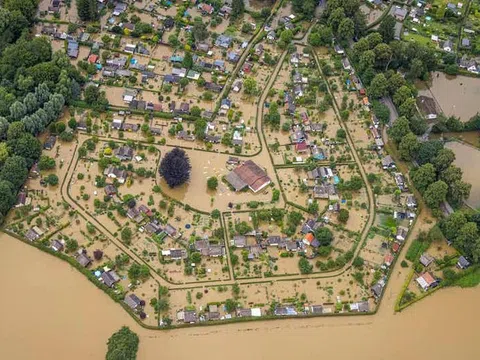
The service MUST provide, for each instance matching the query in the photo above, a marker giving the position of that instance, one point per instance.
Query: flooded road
(52, 312)
(456, 95)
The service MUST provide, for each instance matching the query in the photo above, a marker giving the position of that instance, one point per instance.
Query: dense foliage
(175, 167)
(123, 345)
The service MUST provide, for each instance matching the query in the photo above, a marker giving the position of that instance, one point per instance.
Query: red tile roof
(92, 59)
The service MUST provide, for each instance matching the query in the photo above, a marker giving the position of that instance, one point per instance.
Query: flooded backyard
(66, 305)
(466, 156)
(456, 95)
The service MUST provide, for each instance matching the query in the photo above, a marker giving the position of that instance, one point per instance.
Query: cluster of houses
(214, 312)
(258, 244)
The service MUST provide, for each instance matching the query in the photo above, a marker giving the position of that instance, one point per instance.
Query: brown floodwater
(50, 311)
(456, 95)
(465, 157)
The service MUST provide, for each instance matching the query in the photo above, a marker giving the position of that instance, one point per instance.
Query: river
(49, 311)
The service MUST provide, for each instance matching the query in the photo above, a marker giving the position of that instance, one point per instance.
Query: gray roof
(132, 301)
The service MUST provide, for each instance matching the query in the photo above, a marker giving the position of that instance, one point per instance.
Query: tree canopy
(175, 167)
(122, 345)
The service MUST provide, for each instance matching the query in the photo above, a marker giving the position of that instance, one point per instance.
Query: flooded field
(456, 95)
(90, 317)
(466, 156)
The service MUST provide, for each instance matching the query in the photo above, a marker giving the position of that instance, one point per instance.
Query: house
(213, 87)
(92, 58)
(175, 254)
(171, 231)
(466, 43)
(203, 47)
(377, 289)
(134, 215)
(110, 190)
(271, 36)
(426, 281)
(57, 245)
(239, 241)
(206, 9)
(32, 234)
(411, 202)
(248, 175)
(309, 239)
(189, 317)
(83, 259)
(361, 306)
(259, 49)
(54, 7)
(463, 263)
(400, 13)
(130, 48)
(153, 227)
(338, 49)
(110, 278)
(115, 173)
(388, 163)
(301, 147)
(213, 139)
(124, 153)
(401, 234)
(295, 59)
(119, 9)
(237, 85)
(233, 57)
(225, 11)
(72, 49)
(183, 135)
(400, 181)
(346, 64)
(117, 62)
(426, 259)
(233, 160)
(298, 137)
(448, 46)
(132, 301)
(223, 41)
(117, 124)
(22, 199)
(180, 72)
(285, 311)
(50, 142)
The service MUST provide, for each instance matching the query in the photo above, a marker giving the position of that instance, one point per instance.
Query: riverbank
(58, 314)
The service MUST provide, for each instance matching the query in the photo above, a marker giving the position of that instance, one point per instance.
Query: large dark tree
(122, 345)
(175, 167)
(387, 28)
(7, 196)
(87, 9)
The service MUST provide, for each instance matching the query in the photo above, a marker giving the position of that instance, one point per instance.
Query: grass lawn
(419, 39)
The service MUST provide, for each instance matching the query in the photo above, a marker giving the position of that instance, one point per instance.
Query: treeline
(34, 87)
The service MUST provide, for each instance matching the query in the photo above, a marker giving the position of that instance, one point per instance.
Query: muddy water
(456, 95)
(49, 311)
(465, 156)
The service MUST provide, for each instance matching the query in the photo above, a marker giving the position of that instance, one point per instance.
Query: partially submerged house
(248, 175)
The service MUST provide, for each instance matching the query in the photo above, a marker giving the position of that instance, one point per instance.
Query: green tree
(87, 9)
(387, 28)
(7, 196)
(123, 345)
(458, 191)
(324, 235)
(401, 95)
(238, 7)
(52, 179)
(230, 305)
(399, 129)
(126, 235)
(187, 60)
(378, 87)
(346, 30)
(443, 160)
(435, 194)
(343, 215)
(408, 146)
(305, 266)
(14, 170)
(250, 86)
(138, 272)
(423, 177)
(212, 183)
